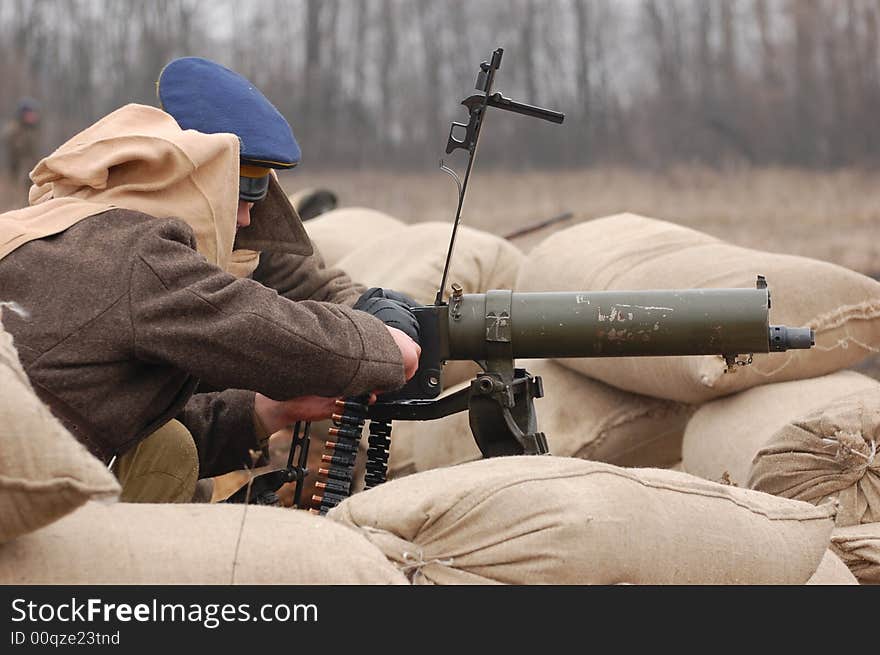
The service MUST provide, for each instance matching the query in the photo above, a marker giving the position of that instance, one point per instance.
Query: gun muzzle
(784, 338)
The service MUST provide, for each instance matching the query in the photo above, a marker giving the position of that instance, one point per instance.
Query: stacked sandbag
(832, 571)
(830, 452)
(859, 547)
(193, 544)
(627, 251)
(581, 417)
(338, 232)
(551, 520)
(723, 436)
(411, 260)
(44, 472)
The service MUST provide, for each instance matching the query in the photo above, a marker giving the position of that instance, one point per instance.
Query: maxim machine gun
(499, 326)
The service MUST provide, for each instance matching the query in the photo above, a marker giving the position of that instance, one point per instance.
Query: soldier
(21, 140)
(137, 227)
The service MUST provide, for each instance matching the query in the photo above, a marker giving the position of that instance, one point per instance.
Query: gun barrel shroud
(608, 323)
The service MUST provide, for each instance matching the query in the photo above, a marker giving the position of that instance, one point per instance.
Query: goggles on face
(253, 183)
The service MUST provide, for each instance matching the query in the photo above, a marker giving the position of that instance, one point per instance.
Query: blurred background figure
(21, 144)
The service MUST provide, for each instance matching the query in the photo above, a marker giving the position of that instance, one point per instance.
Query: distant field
(830, 216)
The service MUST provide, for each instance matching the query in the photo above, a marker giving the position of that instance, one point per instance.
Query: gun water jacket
(121, 262)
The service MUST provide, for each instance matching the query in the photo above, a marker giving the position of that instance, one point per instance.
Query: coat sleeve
(222, 425)
(238, 334)
(306, 278)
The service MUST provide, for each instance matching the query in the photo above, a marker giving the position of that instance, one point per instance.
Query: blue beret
(28, 104)
(204, 96)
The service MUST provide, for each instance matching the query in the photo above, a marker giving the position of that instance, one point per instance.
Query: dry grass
(830, 216)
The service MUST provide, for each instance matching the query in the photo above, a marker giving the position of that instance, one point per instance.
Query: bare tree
(804, 15)
(583, 16)
(644, 83)
(312, 61)
(387, 65)
(433, 53)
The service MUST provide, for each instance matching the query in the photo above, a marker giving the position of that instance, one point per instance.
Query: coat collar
(275, 226)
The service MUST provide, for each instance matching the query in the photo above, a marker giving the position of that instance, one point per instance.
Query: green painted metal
(608, 324)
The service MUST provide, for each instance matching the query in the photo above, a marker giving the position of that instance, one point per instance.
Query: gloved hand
(392, 308)
(394, 295)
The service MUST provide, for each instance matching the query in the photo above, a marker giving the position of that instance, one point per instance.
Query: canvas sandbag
(338, 232)
(859, 548)
(556, 520)
(832, 571)
(412, 260)
(830, 452)
(723, 436)
(44, 472)
(194, 544)
(581, 417)
(627, 251)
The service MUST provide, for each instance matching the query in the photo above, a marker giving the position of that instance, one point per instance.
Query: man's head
(28, 112)
(204, 96)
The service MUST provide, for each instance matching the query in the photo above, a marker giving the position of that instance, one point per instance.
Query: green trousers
(163, 468)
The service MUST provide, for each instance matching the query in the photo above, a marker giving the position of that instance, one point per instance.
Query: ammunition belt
(336, 475)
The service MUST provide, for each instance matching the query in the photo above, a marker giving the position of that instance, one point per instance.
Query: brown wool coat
(116, 344)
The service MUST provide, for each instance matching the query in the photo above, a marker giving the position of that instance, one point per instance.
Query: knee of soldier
(175, 444)
(163, 468)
